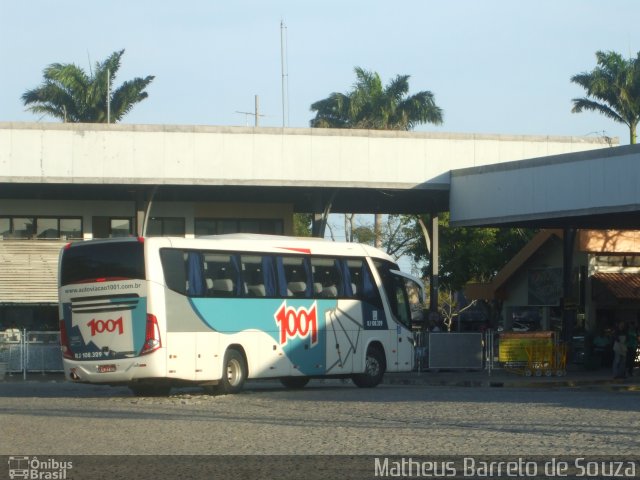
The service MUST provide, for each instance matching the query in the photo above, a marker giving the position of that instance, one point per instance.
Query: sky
(494, 66)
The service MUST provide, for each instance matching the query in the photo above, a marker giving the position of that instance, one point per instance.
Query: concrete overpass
(349, 170)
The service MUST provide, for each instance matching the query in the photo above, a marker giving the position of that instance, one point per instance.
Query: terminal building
(69, 182)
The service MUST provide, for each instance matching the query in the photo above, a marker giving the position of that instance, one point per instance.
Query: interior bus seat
(222, 287)
(297, 289)
(257, 290)
(330, 292)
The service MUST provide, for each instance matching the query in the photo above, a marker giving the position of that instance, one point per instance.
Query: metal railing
(444, 350)
(25, 351)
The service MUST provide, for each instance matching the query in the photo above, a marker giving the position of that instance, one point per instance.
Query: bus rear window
(91, 262)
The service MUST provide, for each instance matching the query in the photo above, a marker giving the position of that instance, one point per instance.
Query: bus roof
(274, 244)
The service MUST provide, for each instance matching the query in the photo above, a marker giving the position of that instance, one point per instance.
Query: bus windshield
(405, 294)
(90, 262)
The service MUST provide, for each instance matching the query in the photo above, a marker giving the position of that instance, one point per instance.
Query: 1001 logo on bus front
(297, 322)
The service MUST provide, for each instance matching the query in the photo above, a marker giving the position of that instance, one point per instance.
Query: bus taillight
(64, 341)
(152, 336)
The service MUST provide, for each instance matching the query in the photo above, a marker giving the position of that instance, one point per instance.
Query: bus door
(402, 336)
(405, 294)
(412, 305)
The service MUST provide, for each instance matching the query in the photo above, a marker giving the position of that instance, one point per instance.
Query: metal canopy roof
(594, 189)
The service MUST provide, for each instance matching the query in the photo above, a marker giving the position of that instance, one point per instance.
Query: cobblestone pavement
(327, 417)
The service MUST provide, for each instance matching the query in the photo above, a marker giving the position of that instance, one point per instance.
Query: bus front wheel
(235, 372)
(373, 371)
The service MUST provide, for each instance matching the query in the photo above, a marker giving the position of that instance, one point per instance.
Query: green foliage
(613, 89)
(472, 254)
(69, 94)
(466, 254)
(364, 234)
(399, 234)
(302, 224)
(369, 105)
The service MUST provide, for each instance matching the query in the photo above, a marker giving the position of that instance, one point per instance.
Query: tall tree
(613, 89)
(71, 95)
(370, 105)
(472, 254)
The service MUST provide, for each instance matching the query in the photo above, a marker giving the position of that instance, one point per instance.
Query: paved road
(324, 418)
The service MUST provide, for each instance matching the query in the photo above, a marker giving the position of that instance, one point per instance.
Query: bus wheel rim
(372, 366)
(234, 372)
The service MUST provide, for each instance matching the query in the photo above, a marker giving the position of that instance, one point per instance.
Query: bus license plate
(106, 368)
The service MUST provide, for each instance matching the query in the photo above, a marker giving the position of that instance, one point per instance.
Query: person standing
(619, 351)
(632, 346)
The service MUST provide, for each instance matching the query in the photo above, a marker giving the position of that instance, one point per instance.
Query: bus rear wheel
(373, 370)
(294, 382)
(234, 373)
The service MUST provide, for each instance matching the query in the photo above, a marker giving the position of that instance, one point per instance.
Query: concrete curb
(504, 380)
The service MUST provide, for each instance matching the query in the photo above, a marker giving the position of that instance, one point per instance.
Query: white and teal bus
(152, 313)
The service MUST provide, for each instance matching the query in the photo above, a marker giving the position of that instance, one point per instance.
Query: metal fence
(525, 353)
(444, 350)
(25, 351)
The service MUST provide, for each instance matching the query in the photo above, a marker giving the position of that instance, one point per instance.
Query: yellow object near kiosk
(533, 353)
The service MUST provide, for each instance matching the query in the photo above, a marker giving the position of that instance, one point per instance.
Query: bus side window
(367, 287)
(297, 276)
(354, 268)
(327, 279)
(253, 275)
(223, 275)
(174, 268)
(195, 274)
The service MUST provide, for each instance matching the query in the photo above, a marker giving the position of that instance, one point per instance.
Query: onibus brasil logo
(297, 322)
(34, 468)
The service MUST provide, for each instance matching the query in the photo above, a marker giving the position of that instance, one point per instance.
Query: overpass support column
(569, 304)
(140, 209)
(434, 265)
(144, 202)
(319, 223)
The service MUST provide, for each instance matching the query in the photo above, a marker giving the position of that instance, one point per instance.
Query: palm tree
(369, 105)
(71, 95)
(613, 89)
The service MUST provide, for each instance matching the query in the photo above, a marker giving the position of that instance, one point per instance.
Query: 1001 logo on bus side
(297, 322)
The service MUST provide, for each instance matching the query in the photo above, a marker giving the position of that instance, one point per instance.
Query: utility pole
(256, 113)
(257, 110)
(108, 95)
(283, 68)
